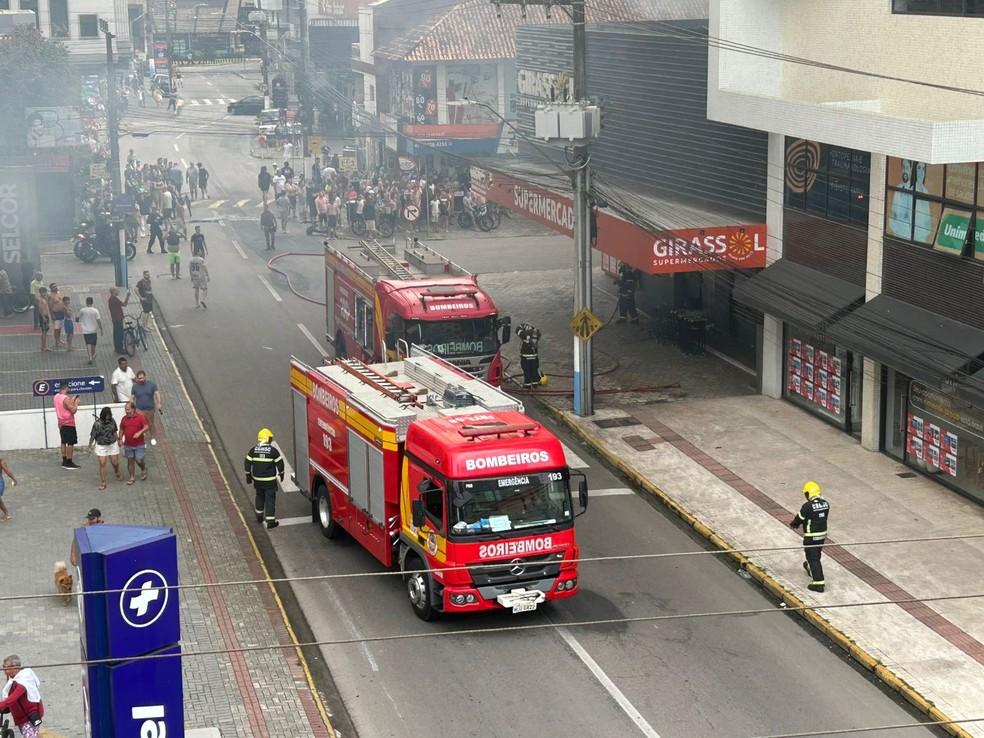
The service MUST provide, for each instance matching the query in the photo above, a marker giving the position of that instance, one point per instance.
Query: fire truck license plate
(524, 606)
(521, 600)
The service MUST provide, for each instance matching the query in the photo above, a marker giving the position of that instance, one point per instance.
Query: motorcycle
(83, 235)
(90, 249)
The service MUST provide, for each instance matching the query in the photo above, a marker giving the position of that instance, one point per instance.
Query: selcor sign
(677, 250)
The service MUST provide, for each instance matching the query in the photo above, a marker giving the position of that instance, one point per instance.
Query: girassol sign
(740, 246)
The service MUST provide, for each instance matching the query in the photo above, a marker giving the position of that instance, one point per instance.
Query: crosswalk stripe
(216, 204)
(194, 102)
(241, 203)
(206, 102)
(573, 460)
(259, 204)
(614, 492)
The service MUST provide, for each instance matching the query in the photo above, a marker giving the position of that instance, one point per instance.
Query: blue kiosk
(127, 696)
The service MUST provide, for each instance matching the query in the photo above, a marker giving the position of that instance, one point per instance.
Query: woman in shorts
(104, 438)
(67, 322)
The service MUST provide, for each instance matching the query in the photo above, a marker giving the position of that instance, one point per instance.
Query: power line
(526, 627)
(499, 565)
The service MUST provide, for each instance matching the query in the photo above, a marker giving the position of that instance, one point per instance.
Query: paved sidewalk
(733, 467)
(264, 694)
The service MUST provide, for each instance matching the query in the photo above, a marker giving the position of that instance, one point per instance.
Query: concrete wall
(25, 429)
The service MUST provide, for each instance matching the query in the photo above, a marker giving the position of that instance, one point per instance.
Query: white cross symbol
(142, 601)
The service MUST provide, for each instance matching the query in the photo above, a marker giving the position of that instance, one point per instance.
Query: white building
(875, 125)
(76, 24)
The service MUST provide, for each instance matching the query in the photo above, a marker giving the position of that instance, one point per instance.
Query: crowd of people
(164, 194)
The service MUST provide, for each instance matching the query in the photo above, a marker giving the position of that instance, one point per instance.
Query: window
(940, 206)
(364, 323)
(969, 8)
(4, 4)
(88, 26)
(31, 5)
(59, 18)
(829, 181)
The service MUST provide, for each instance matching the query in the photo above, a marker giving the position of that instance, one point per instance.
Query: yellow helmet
(266, 435)
(811, 490)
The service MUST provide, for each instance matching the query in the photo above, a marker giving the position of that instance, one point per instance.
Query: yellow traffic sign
(585, 324)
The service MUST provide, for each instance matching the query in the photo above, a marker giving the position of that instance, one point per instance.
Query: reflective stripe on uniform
(264, 479)
(261, 458)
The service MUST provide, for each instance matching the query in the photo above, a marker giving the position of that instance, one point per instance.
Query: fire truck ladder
(387, 260)
(378, 381)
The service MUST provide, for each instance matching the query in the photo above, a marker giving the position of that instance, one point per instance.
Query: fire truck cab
(380, 300)
(441, 475)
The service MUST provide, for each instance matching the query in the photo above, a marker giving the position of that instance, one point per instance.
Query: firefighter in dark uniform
(813, 518)
(529, 354)
(264, 464)
(627, 283)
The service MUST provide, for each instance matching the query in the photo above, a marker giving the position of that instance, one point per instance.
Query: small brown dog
(63, 582)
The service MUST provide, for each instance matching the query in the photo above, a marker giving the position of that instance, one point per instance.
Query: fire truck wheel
(322, 513)
(418, 588)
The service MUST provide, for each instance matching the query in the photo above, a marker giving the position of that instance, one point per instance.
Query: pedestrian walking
(283, 210)
(263, 181)
(627, 283)
(198, 247)
(145, 292)
(4, 469)
(199, 280)
(174, 253)
(172, 102)
(44, 316)
(529, 354)
(66, 406)
(813, 517)
(116, 317)
(122, 380)
(89, 322)
(133, 433)
(203, 176)
(167, 206)
(147, 399)
(263, 465)
(21, 697)
(68, 323)
(268, 224)
(104, 437)
(155, 222)
(191, 178)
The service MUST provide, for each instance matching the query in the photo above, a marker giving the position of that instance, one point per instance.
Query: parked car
(250, 105)
(162, 82)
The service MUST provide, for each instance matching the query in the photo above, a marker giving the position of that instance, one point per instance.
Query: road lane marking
(179, 136)
(309, 336)
(614, 492)
(573, 460)
(206, 102)
(269, 287)
(241, 203)
(301, 520)
(627, 707)
(176, 147)
(216, 204)
(237, 247)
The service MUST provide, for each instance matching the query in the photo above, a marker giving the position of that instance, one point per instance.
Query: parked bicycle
(477, 217)
(133, 334)
(21, 302)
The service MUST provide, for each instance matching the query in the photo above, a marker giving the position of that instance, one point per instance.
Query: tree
(34, 72)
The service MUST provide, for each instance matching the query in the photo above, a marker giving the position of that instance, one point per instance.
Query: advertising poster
(950, 443)
(808, 372)
(821, 397)
(917, 447)
(473, 82)
(425, 95)
(933, 456)
(49, 128)
(808, 390)
(916, 426)
(797, 347)
(835, 365)
(808, 353)
(952, 233)
(797, 366)
(834, 404)
(933, 434)
(835, 384)
(822, 359)
(823, 378)
(794, 384)
(950, 464)
(909, 216)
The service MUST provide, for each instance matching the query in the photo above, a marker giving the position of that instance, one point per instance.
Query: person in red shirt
(21, 697)
(133, 427)
(116, 306)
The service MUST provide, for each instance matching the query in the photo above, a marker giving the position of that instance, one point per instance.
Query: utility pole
(576, 121)
(113, 128)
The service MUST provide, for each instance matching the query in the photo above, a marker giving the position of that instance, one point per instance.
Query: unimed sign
(680, 250)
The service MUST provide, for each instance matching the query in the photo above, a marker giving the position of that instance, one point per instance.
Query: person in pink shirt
(65, 408)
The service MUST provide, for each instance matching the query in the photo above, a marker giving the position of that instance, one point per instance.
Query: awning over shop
(917, 342)
(798, 294)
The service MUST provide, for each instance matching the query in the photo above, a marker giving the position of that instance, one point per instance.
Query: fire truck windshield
(489, 506)
(465, 337)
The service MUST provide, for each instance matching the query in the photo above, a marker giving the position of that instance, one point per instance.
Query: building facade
(76, 24)
(872, 302)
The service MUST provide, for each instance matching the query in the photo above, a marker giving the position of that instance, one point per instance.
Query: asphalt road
(716, 676)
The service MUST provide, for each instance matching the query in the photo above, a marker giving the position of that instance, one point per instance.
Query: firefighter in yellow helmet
(264, 464)
(813, 518)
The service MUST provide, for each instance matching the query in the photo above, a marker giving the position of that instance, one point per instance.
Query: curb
(281, 610)
(769, 583)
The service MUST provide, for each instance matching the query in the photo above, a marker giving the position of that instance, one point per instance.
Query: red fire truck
(429, 468)
(379, 301)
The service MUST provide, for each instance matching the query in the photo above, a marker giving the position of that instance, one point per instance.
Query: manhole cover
(617, 422)
(906, 475)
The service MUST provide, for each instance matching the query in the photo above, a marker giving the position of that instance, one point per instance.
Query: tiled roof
(472, 29)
